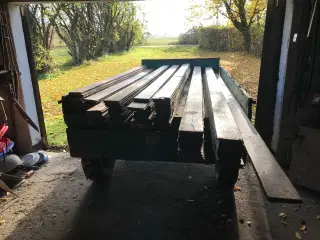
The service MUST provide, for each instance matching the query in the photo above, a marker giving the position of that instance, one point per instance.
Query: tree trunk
(246, 38)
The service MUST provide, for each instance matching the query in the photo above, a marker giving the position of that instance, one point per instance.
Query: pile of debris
(13, 169)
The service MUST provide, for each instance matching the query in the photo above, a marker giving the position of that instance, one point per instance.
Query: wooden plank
(243, 98)
(170, 88)
(191, 126)
(98, 86)
(202, 62)
(275, 182)
(99, 96)
(178, 113)
(97, 111)
(138, 106)
(147, 94)
(225, 135)
(192, 120)
(133, 89)
(100, 107)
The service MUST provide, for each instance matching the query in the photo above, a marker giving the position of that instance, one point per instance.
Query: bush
(42, 58)
(225, 39)
(190, 37)
(229, 39)
(257, 40)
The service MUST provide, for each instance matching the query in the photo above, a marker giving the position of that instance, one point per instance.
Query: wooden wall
(302, 79)
(10, 85)
(269, 72)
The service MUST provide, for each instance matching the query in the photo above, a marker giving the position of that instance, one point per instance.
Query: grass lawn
(244, 68)
(158, 41)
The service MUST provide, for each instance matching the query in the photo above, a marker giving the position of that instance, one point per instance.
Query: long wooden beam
(122, 97)
(146, 95)
(191, 126)
(226, 137)
(65, 1)
(98, 86)
(275, 182)
(97, 97)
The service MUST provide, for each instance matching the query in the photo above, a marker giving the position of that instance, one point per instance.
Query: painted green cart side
(201, 62)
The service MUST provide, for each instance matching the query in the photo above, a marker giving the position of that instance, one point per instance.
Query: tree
(41, 20)
(243, 14)
(90, 30)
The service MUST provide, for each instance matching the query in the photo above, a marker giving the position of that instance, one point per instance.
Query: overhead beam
(64, 1)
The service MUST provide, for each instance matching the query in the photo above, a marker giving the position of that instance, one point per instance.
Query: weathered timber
(99, 96)
(97, 111)
(147, 93)
(98, 86)
(122, 97)
(243, 98)
(136, 106)
(165, 100)
(75, 105)
(275, 182)
(181, 103)
(133, 145)
(168, 91)
(226, 138)
(191, 126)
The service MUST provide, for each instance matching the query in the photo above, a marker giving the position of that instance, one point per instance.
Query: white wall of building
(282, 73)
(23, 65)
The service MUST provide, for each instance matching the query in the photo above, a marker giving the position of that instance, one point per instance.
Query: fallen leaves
(236, 189)
(2, 221)
(283, 215)
(303, 228)
(284, 223)
(298, 235)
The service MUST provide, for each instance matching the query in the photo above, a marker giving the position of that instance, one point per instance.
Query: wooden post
(34, 80)
(269, 69)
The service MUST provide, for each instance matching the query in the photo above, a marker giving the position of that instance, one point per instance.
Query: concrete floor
(143, 201)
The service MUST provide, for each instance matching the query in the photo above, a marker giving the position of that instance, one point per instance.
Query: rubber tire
(98, 170)
(226, 177)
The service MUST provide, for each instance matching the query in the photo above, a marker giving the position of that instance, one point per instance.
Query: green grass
(161, 41)
(56, 132)
(66, 78)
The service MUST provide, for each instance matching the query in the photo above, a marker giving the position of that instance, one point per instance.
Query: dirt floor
(152, 200)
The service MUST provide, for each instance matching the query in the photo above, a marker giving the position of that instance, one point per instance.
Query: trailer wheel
(98, 170)
(226, 177)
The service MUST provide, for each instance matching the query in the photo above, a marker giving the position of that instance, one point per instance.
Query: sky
(167, 17)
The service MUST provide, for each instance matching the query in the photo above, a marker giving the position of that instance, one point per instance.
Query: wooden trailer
(178, 110)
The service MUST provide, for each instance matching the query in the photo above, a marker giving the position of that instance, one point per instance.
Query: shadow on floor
(142, 201)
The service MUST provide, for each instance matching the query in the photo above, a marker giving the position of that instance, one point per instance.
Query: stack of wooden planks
(83, 107)
(171, 99)
(118, 102)
(142, 104)
(128, 99)
(166, 99)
